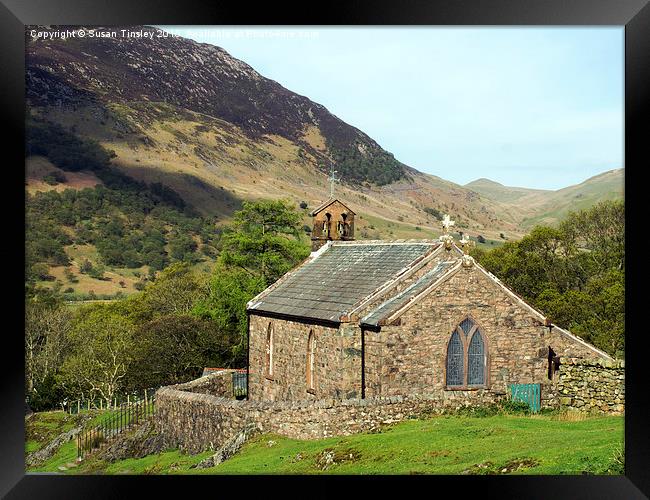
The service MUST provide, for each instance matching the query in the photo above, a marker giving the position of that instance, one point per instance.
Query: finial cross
(332, 180)
(447, 223)
(466, 243)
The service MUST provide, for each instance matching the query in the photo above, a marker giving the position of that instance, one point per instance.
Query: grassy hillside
(498, 192)
(503, 444)
(556, 205)
(537, 206)
(106, 237)
(201, 132)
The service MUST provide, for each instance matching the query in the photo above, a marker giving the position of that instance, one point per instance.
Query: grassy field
(502, 444)
(42, 427)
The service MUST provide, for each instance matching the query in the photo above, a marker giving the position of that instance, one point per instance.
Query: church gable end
(433, 345)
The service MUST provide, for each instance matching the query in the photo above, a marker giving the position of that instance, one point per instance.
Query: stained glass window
(476, 360)
(467, 325)
(455, 360)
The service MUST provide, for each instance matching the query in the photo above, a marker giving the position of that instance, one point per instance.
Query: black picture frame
(633, 14)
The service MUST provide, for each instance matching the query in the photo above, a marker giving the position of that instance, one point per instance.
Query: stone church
(361, 319)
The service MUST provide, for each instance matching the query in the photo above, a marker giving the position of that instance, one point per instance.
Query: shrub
(434, 212)
(86, 267)
(501, 407)
(69, 275)
(54, 178)
(97, 272)
(42, 271)
(303, 205)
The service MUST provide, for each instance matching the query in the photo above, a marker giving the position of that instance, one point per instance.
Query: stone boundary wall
(217, 383)
(202, 414)
(591, 386)
(194, 421)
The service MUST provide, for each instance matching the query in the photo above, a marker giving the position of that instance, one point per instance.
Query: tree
(175, 348)
(260, 246)
(264, 238)
(97, 272)
(103, 342)
(230, 290)
(86, 267)
(70, 276)
(175, 292)
(574, 273)
(42, 271)
(47, 322)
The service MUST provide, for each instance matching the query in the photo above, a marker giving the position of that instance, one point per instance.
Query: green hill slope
(196, 122)
(503, 444)
(537, 206)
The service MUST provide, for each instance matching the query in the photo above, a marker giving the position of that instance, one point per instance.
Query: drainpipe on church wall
(248, 352)
(363, 363)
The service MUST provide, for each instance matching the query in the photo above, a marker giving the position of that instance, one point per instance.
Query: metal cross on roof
(332, 180)
(447, 223)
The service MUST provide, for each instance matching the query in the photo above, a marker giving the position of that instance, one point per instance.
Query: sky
(535, 107)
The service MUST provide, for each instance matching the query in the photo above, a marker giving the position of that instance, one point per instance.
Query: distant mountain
(196, 119)
(204, 79)
(548, 207)
(190, 116)
(498, 192)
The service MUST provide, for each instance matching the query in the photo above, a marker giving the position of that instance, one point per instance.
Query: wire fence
(120, 419)
(86, 404)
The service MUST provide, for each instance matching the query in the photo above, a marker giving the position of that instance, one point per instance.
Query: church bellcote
(332, 220)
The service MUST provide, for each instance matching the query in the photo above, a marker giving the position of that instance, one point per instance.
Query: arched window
(311, 347)
(476, 360)
(269, 350)
(466, 356)
(327, 225)
(455, 356)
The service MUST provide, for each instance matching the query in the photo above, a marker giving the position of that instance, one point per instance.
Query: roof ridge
(336, 278)
(385, 242)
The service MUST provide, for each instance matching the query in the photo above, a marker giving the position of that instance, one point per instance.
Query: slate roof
(401, 299)
(336, 280)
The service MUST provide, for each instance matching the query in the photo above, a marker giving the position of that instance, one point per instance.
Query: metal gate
(239, 384)
(527, 393)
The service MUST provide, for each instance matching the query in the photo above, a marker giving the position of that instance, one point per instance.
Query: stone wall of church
(410, 357)
(337, 359)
